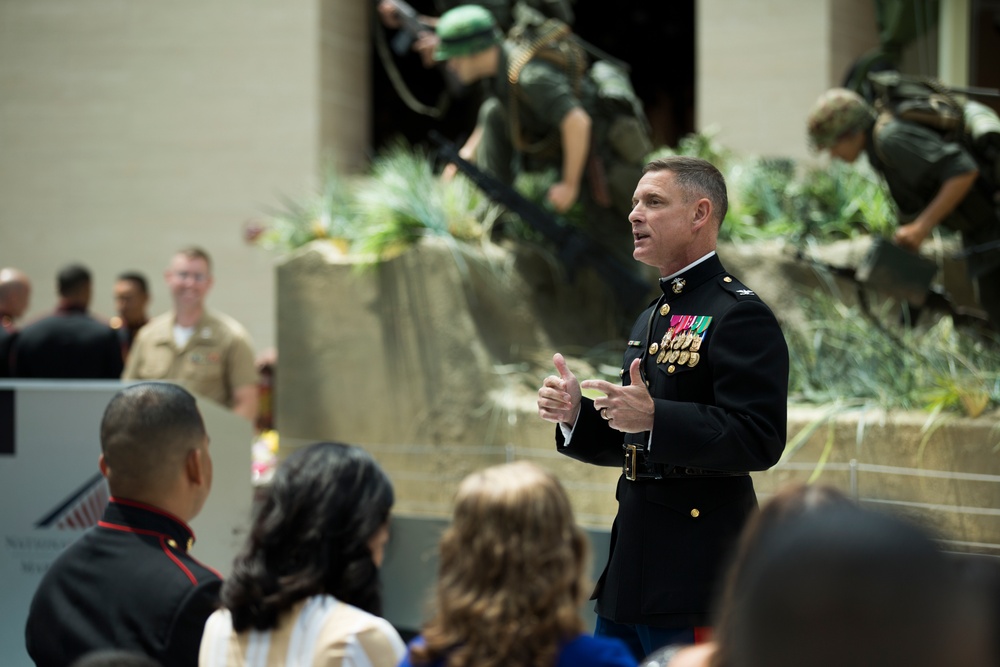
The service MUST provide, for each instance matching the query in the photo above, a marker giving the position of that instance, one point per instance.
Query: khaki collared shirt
(216, 360)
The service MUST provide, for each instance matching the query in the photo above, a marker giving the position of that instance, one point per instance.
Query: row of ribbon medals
(681, 342)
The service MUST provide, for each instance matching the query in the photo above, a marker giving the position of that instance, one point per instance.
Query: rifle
(574, 246)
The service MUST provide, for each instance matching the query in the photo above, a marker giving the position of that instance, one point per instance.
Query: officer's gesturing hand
(628, 409)
(559, 396)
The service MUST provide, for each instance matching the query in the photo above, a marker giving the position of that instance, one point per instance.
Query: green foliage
(776, 198)
(327, 214)
(841, 352)
(404, 200)
(400, 201)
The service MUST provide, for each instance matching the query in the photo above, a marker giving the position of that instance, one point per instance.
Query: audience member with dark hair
(304, 588)
(131, 299)
(791, 501)
(130, 583)
(512, 579)
(844, 586)
(69, 343)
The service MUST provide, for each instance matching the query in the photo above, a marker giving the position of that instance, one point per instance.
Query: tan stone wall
(419, 360)
(130, 129)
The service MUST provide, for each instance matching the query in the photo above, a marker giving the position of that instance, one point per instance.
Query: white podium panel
(51, 488)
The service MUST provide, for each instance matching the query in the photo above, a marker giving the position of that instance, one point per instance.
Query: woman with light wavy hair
(511, 580)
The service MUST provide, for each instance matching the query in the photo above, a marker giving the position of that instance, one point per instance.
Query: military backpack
(929, 103)
(535, 36)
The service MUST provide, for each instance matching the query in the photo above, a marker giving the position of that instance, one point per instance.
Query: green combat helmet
(837, 112)
(465, 30)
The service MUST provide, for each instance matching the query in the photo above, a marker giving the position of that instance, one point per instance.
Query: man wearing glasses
(208, 352)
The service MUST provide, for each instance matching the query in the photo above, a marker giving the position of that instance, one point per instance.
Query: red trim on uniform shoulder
(177, 561)
(702, 634)
(130, 529)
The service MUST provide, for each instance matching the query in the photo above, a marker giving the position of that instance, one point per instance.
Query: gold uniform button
(665, 310)
(654, 348)
(727, 279)
(621, 373)
(671, 368)
(172, 543)
(695, 513)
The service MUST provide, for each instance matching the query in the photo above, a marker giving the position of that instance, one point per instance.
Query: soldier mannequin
(542, 121)
(932, 180)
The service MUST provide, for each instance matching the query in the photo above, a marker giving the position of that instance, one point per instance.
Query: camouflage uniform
(915, 161)
(543, 95)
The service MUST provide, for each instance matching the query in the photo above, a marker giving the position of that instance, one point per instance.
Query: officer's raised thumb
(561, 366)
(635, 376)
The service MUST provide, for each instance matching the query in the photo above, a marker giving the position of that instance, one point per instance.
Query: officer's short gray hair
(698, 178)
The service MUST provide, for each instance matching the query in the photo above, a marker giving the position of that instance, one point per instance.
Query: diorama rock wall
(429, 360)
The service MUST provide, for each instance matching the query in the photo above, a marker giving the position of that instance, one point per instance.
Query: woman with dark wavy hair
(304, 589)
(511, 580)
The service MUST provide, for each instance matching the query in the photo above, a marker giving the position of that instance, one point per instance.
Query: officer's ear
(701, 213)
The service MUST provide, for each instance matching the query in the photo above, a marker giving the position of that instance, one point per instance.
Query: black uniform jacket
(128, 583)
(7, 336)
(722, 411)
(69, 344)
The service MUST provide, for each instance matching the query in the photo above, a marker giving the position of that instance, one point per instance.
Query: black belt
(637, 467)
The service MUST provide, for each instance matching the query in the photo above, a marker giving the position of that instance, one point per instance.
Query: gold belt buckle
(630, 458)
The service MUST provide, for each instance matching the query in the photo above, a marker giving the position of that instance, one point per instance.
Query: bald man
(130, 583)
(15, 293)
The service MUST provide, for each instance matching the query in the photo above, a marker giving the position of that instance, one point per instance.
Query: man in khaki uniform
(208, 352)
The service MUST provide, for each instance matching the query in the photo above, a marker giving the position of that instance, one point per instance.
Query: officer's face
(189, 280)
(662, 218)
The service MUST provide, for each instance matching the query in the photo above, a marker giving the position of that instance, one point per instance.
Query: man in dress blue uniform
(702, 402)
(129, 583)
(69, 343)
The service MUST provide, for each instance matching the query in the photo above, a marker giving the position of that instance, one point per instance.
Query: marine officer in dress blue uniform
(702, 402)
